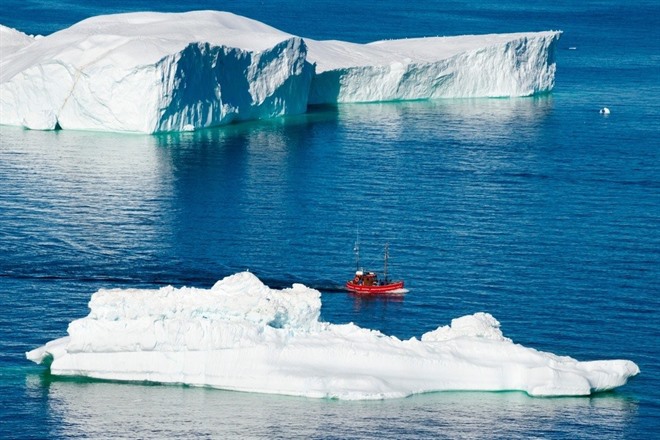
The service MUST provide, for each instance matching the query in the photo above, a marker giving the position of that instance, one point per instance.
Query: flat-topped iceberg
(241, 335)
(470, 66)
(153, 72)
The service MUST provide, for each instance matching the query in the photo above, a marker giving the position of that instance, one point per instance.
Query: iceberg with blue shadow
(149, 72)
(242, 335)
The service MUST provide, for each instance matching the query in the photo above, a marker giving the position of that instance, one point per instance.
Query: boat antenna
(356, 249)
(387, 254)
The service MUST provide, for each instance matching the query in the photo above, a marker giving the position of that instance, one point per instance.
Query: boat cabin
(366, 279)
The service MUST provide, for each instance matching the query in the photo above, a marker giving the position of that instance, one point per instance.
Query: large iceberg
(470, 66)
(241, 335)
(153, 72)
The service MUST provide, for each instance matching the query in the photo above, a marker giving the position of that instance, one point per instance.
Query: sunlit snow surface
(242, 335)
(153, 72)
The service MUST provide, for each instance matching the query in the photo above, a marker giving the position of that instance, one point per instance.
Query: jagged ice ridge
(152, 72)
(241, 335)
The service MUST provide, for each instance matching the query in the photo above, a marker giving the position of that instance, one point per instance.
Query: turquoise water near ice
(540, 211)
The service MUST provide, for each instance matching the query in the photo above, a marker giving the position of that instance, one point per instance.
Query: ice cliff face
(205, 85)
(152, 72)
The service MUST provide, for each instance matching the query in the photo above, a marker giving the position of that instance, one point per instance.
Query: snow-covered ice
(242, 335)
(469, 66)
(152, 72)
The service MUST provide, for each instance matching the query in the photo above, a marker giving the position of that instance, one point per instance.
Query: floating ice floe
(241, 335)
(153, 72)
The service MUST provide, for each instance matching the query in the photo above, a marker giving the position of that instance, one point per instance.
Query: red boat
(368, 282)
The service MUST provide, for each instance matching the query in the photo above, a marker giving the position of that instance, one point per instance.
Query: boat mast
(387, 254)
(357, 251)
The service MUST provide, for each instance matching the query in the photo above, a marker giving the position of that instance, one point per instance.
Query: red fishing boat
(368, 283)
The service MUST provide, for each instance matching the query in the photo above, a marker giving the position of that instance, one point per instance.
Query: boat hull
(375, 289)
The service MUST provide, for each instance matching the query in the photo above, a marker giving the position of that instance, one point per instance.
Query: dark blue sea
(540, 211)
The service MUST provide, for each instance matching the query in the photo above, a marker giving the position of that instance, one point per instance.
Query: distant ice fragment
(242, 335)
(604, 111)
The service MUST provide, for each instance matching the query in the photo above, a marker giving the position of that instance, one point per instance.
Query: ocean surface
(540, 211)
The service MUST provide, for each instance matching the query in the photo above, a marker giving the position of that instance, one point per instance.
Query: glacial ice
(152, 72)
(470, 66)
(241, 335)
